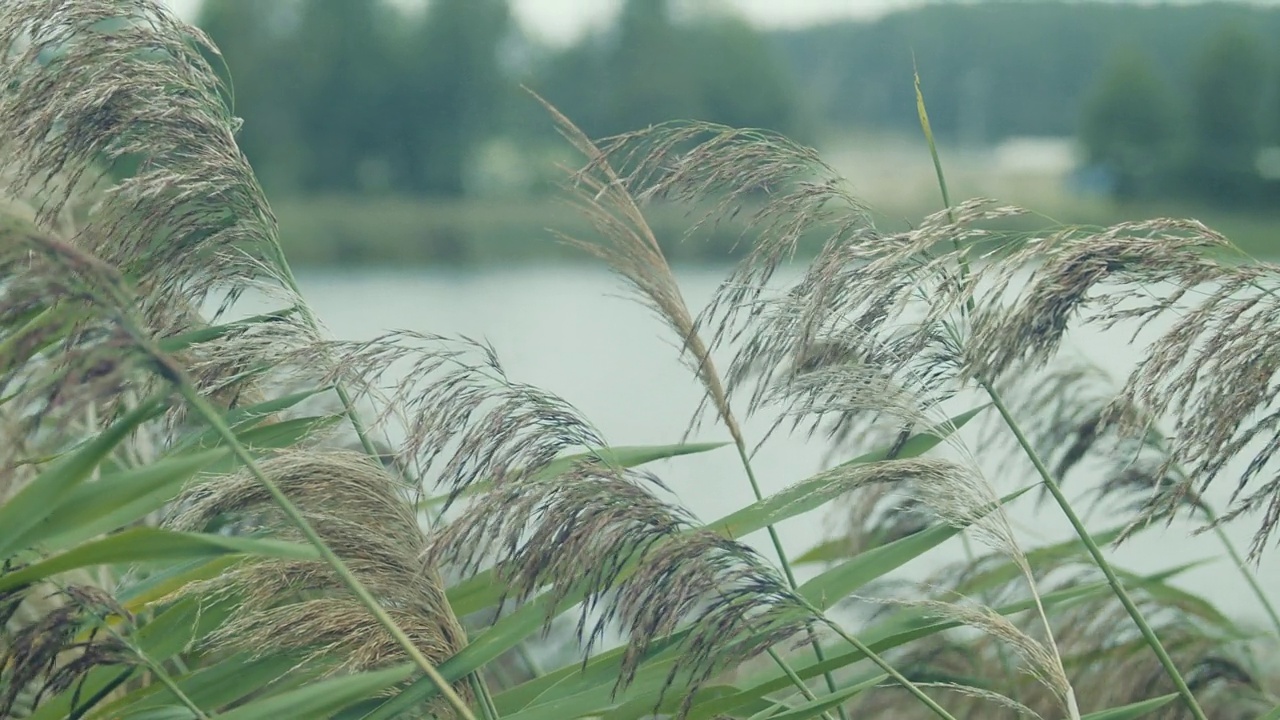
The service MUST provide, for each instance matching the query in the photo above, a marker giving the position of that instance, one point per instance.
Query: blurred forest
(380, 98)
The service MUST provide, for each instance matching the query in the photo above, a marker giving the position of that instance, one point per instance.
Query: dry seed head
(984, 695)
(465, 420)
(613, 203)
(1041, 662)
(870, 305)
(1074, 419)
(1074, 270)
(639, 563)
(48, 656)
(785, 188)
(881, 514)
(302, 606)
(101, 83)
(67, 357)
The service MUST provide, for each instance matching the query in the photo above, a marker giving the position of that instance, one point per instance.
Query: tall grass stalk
(1242, 566)
(645, 265)
(672, 308)
(352, 413)
(177, 376)
(102, 307)
(154, 667)
(1152, 640)
(211, 416)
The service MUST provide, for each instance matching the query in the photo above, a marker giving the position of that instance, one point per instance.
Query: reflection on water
(573, 331)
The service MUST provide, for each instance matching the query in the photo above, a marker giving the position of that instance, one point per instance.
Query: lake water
(574, 331)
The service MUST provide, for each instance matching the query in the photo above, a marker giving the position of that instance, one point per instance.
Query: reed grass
(243, 517)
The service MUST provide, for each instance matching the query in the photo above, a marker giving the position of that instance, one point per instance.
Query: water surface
(576, 332)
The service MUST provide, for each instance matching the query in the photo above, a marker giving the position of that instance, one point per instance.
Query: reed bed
(203, 515)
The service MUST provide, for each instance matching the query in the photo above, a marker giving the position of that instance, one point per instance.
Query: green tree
(1226, 117)
(256, 39)
(743, 81)
(652, 68)
(450, 95)
(652, 64)
(346, 51)
(1129, 124)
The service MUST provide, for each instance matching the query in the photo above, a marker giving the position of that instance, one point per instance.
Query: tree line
(1168, 99)
(368, 96)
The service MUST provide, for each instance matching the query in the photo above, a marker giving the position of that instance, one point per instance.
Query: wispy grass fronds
(50, 655)
(1074, 418)
(1105, 655)
(465, 421)
(639, 562)
(1041, 662)
(784, 189)
(878, 515)
(61, 353)
(1112, 668)
(914, 307)
(243, 362)
(1209, 372)
(955, 493)
(989, 696)
(123, 96)
(628, 245)
(872, 329)
(117, 131)
(303, 607)
(1074, 270)
(611, 190)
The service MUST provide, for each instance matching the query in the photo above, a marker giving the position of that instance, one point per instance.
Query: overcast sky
(562, 21)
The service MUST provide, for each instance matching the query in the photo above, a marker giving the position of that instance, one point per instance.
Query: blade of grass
(1133, 710)
(147, 544)
(119, 499)
(810, 709)
(174, 374)
(1046, 476)
(213, 686)
(155, 668)
(322, 698)
(34, 503)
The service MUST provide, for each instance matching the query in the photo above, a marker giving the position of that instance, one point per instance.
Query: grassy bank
(347, 231)
(353, 231)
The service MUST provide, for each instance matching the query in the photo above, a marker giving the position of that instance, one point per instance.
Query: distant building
(1053, 156)
(1268, 163)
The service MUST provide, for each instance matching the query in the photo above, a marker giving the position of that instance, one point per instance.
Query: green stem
(154, 667)
(348, 405)
(818, 652)
(531, 663)
(1096, 553)
(795, 678)
(902, 680)
(349, 408)
(481, 690)
(187, 389)
(1243, 567)
(1054, 489)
